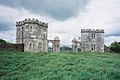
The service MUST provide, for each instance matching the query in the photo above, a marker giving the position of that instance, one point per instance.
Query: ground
(59, 66)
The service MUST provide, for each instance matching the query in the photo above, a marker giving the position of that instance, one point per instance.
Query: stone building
(55, 44)
(75, 45)
(91, 40)
(33, 33)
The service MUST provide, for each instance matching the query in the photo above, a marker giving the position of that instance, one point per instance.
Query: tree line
(115, 47)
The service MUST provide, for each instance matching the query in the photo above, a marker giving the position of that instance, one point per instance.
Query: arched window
(22, 34)
(30, 28)
(93, 47)
(93, 35)
(44, 35)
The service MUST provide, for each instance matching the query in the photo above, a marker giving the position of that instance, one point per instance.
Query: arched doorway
(55, 45)
(50, 46)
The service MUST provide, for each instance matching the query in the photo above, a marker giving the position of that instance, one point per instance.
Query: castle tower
(92, 40)
(33, 34)
(74, 45)
(56, 44)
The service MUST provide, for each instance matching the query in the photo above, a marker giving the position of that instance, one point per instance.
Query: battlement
(31, 21)
(92, 30)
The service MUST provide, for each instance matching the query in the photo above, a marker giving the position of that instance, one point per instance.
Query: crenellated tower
(33, 34)
(92, 40)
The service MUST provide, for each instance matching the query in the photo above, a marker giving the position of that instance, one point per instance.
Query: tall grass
(59, 66)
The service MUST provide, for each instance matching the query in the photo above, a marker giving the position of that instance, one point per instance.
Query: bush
(2, 41)
(115, 47)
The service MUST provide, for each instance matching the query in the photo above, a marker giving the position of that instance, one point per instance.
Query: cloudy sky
(65, 18)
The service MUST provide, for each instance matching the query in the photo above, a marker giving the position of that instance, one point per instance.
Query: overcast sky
(65, 18)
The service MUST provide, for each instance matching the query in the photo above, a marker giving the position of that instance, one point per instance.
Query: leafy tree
(65, 48)
(2, 41)
(115, 47)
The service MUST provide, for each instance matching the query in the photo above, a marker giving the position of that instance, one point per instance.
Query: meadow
(59, 66)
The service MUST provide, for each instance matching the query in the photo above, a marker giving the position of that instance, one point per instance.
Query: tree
(2, 41)
(115, 47)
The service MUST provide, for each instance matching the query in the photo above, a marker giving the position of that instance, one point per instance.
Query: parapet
(92, 30)
(57, 38)
(31, 21)
(74, 39)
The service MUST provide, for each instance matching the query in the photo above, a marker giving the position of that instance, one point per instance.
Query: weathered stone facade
(12, 47)
(91, 40)
(33, 33)
(55, 44)
(75, 45)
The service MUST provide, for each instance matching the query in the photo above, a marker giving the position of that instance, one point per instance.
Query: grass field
(59, 66)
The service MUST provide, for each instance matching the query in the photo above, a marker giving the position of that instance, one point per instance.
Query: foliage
(59, 66)
(115, 47)
(2, 41)
(65, 49)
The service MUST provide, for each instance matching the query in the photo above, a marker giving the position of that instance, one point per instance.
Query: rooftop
(31, 21)
(92, 30)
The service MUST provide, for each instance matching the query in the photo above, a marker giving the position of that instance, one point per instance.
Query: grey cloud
(58, 9)
(113, 34)
(5, 26)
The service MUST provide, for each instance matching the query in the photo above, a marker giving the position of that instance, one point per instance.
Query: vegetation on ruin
(59, 66)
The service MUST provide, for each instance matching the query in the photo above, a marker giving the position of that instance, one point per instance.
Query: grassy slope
(59, 66)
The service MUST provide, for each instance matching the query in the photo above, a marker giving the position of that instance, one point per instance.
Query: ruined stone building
(33, 34)
(75, 45)
(91, 40)
(56, 44)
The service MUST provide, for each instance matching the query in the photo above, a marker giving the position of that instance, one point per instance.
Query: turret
(31, 21)
(92, 30)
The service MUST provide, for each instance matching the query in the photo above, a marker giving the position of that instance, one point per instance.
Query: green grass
(59, 66)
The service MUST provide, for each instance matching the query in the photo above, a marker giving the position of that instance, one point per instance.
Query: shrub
(2, 41)
(115, 47)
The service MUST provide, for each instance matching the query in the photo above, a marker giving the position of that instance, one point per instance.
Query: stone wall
(92, 40)
(33, 33)
(12, 47)
(55, 44)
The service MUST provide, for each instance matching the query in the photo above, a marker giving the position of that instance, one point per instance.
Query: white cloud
(102, 14)
(97, 14)
(9, 35)
(111, 39)
(11, 15)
